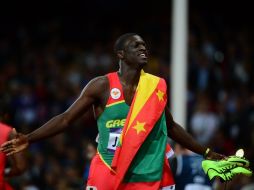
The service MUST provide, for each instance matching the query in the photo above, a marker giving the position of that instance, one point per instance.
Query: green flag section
(147, 163)
(141, 153)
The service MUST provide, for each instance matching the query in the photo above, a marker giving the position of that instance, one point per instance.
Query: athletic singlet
(4, 134)
(110, 124)
(111, 121)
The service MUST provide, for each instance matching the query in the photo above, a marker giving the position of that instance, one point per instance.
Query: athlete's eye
(136, 45)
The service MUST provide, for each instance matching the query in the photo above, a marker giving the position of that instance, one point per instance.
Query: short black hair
(120, 42)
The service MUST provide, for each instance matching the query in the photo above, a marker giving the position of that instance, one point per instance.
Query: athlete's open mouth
(142, 54)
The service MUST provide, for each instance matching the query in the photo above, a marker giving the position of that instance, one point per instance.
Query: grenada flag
(140, 156)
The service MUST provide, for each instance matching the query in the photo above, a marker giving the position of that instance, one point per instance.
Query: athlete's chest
(129, 93)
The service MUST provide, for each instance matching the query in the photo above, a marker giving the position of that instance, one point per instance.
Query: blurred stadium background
(50, 50)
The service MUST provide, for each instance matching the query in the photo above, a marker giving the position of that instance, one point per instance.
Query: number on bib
(113, 141)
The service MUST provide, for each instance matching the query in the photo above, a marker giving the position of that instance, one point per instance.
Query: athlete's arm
(91, 94)
(17, 161)
(178, 134)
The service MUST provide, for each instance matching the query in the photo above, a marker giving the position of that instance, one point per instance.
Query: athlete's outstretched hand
(19, 143)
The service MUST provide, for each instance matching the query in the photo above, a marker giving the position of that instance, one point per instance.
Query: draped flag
(146, 110)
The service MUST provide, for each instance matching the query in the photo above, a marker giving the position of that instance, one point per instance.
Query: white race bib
(114, 139)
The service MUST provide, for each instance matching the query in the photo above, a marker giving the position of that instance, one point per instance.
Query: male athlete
(117, 102)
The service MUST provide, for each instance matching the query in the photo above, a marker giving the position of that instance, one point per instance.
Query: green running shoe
(228, 175)
(240, 161)
(218, 169)
(224, 169)
(219, 166)
(241, 170)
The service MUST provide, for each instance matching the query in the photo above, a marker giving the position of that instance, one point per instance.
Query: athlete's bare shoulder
(97, 88)
(99, 84)
(100, 80)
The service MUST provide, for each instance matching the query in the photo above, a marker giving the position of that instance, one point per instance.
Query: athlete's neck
(129, 76)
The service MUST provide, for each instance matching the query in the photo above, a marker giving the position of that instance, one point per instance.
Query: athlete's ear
(120, 54)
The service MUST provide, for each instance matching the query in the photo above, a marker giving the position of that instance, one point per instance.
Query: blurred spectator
(204, 123)
(188, 171)
(89, 153)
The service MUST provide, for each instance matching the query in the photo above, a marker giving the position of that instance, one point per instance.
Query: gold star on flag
(139, 127)
(160, 95)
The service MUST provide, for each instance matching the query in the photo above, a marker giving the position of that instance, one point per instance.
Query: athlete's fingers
(8, 143)
(8, 147)
(11, 153)
(13, 149)
(8, 150)
(4, 146)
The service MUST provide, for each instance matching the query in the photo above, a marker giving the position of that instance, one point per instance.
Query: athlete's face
(135, 52)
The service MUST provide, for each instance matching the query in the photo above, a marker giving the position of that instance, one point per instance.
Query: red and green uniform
(148, 165)
(110, 124)
(4, 135)
(111, 121)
